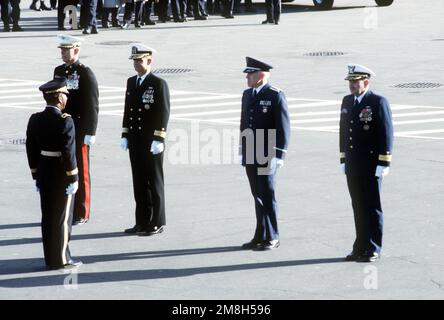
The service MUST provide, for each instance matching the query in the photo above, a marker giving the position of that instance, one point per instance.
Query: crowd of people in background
(123, 13)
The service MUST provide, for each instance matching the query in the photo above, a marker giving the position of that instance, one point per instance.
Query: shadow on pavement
(135, 275)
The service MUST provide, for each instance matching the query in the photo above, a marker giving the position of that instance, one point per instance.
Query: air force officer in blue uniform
(366, 142)
(265, 132)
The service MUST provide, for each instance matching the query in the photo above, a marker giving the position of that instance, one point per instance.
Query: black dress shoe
(133, 230)
(17, 28)
(86, 31)
(229, 16)
(125, 25)
(61, 28)
(6, 28)
(94, 30)
(71, 264)
(251, 245)
(276, 22)
(150, 232)
(369, 257)
(268, 245)
(353, 256)
(137, 25)
(150, 23)
(79, 221)
(200, 18)
(267, 21)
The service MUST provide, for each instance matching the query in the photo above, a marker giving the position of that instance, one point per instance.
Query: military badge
(148, 96)
(264, 109)
(366, 114)
(366, 127)
(73, 81)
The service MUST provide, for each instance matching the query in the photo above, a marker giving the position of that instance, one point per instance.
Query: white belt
(51, 153)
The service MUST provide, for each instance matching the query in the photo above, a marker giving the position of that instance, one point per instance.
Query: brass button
(351, 138)
(351, 147)
(351, 130)
(131, 109)
(140, 119)
(131, 118)
(140, 110)
(131, 127)
(351, 121)
(251, 117)
(140, 128)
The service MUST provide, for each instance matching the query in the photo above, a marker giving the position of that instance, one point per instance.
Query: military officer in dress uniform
(83, 106)
(51, 152)
(366, 142)
(145, 120)
(265, 133)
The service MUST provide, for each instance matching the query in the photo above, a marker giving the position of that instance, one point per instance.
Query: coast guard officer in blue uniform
(366, 142)
(51, 151)
(265, 132)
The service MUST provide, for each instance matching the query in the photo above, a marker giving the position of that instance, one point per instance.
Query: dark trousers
(105, 14)
(15, 14)
(148, 185)
(88, 13)
(53, 3)
(162, 9)
(179, 9)
(82, 203)
(56, 209)
(273, 10)
(198, 8)
(137, 8)
(228, 6)
(368, 215)
(148, 10)
(262, 188)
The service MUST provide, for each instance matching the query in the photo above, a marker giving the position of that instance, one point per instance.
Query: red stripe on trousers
(86, 179)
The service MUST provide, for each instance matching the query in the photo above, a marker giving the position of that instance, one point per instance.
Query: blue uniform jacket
(51, 131)
(365, 134)
(267, 110)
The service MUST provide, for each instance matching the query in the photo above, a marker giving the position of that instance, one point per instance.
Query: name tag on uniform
(72, 82)
(148, 96)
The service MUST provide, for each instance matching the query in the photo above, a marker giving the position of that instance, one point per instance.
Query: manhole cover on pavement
(324, 54)
(418, 85)
(172, 70)
(115, 43)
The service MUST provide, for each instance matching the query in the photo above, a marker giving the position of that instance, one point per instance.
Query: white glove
(240, 159)
(37, 189)
(124, 144)
(275, 164)
(343, 168)
(157, 147)
(381, 171)
(89, 140)
(72, 188)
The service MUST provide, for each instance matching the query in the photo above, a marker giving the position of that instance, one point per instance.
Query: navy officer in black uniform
(366, 142)
(51, 151)
(265, 133)
(83, 106)
(145, 120)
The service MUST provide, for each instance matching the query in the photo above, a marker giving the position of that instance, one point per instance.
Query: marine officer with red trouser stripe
(83, 106)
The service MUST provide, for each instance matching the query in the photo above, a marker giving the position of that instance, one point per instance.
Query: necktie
(254, 93)
(356, 103)
(139, 81)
